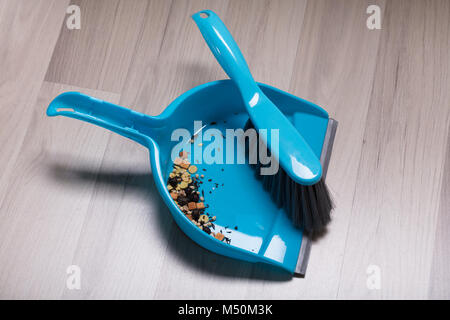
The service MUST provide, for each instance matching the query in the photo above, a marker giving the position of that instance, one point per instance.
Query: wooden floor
(74, 194)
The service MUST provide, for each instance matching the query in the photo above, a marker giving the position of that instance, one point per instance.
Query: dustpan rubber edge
(305, 248)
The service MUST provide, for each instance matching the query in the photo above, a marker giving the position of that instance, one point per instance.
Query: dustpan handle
(102, 113)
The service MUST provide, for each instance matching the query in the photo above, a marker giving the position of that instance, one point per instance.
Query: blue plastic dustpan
(258, 231)
(264, 232)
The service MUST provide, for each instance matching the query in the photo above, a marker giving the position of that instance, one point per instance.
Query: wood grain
(102, 48)
(439, 275)
(395, 205)
(44, 209)
(71, 193)
(28, 35)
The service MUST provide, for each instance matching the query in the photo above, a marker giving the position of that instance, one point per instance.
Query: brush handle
(293, 152)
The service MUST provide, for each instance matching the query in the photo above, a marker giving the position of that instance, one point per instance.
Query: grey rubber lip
(305, 248)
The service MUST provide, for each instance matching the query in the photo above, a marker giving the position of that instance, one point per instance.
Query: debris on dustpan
(183, 185)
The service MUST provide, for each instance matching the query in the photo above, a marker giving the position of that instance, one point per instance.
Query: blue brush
(298, 186)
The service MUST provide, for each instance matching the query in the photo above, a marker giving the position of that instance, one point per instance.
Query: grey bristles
(308, 207)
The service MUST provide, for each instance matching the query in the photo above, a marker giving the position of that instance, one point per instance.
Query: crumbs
(183, 185)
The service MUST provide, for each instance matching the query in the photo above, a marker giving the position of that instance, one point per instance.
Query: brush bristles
(309, 207)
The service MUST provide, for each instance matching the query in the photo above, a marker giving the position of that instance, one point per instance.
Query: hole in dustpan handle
(101, 113)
